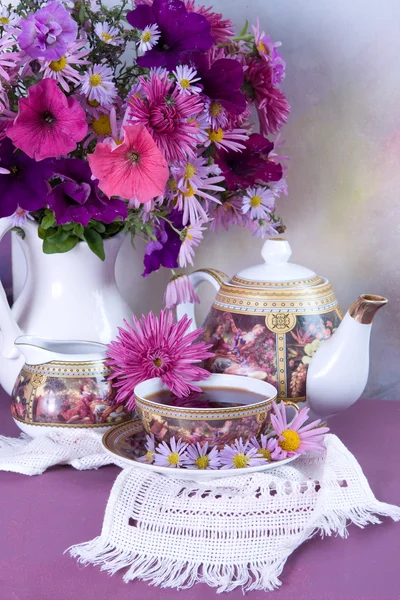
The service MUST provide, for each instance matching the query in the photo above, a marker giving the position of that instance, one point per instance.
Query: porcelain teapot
(64, 385)
(280, 322)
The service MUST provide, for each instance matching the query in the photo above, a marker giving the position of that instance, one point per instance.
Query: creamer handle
(216, 278)
(8, 326)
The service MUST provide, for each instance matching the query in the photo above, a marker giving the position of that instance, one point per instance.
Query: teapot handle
(9, 328)
(216, 278)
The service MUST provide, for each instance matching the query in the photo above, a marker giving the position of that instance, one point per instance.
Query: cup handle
(292, 404)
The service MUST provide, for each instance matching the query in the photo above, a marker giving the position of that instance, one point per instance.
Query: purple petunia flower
(77, 198)
(222, 82)
(244, 169)
(165, 250)
(180, 32)
(25, 186)
(47, 32)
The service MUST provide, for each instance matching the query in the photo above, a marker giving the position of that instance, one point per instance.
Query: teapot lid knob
(276, 251)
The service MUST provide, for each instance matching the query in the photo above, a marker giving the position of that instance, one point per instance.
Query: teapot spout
(339, 370)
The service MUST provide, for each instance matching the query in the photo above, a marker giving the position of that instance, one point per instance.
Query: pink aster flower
(268, 50)
(179, 291)
(157, 347)
(171, 455)
(258, 202)
(8, 60)
(293, 439)
(108, 34)
(20, 216)
(240, 456)
(227, 140)
(227, 214)
(191, 237)
(98, 84)
(134, 168)
(64, 69)
(48, 123)
(265, 227)
(198, 457)
(221, 29)
(168, 115)
(150, 445)
(268, 448)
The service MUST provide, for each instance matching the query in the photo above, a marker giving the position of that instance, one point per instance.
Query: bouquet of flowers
(138, 120)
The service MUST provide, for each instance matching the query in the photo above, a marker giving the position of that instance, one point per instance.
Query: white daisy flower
(8, 19)
(149, 37)
(227, 140)
(186, 77)
(63, 69)
(259, 201)
(108, 34)
(98, 84)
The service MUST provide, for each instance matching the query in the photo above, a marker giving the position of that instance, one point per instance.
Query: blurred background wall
(343, 137)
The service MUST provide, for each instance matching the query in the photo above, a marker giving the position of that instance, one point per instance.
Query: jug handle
(9, 328)
(216, 278)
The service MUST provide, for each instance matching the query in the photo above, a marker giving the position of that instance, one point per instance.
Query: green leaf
(244, 30)
(48, 220)
(19, 231)
(95, 242)
(98, 226)
(59, 236)
(79, 230)
(51, 247)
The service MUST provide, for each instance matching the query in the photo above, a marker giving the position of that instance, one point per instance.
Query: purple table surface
(40, 517)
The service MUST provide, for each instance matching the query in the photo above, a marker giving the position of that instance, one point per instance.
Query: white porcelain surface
(66, 296)
(338, 373)
(38, 430)
(38, 351)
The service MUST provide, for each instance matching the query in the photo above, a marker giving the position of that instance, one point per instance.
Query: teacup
(217, 426)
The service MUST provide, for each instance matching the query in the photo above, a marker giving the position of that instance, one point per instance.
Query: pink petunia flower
(168, 114)
(294, 439)
(179, 291)
(191, 237)
(157, 347)
(48, 123)
(134, 168)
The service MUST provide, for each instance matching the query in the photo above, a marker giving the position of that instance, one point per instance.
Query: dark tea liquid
(209, 398)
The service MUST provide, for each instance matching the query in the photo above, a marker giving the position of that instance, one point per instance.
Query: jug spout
(339, 370)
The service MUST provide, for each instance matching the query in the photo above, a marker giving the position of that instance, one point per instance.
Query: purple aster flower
(198, 457)
(180, 32)
(243, 169)
(25, 186)
(222, 82)
(78, 199)
(164, 251)
(172, 455)
(268, 448)
(47, 32)
(151, 450)
(240, 456)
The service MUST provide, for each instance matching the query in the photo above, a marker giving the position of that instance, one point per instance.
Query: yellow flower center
(118, 141)
(216, 136)
(58, 65)
(215, 109)
(146, 36)
(173, 458)
(172, 184)
(95, 80)
(291, 440)
(107, 37)
(4, 21)
(185, 83)
(102, 125)
(158, 362)
(240, 461)
(185, 234)
(261, 47)
(190, 192)
(255, 201)
(264, 453)
(149, 455)
(190, 171)
(93, 103)
(202, 462)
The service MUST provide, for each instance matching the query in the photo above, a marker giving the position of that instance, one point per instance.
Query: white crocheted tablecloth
(229, 533)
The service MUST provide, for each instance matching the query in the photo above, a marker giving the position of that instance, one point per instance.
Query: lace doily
(228, 533)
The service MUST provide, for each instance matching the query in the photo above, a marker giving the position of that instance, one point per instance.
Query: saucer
(127, 442)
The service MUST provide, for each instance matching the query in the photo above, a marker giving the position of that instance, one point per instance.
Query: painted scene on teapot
(244, 345)
(86, 401)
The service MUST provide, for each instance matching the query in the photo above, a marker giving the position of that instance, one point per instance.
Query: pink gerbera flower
(293, 439)
(157, 347)
(135, 168)
(179, 291)
(48, 123)
(168, 114)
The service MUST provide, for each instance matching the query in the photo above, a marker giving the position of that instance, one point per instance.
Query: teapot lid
(276, 268)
